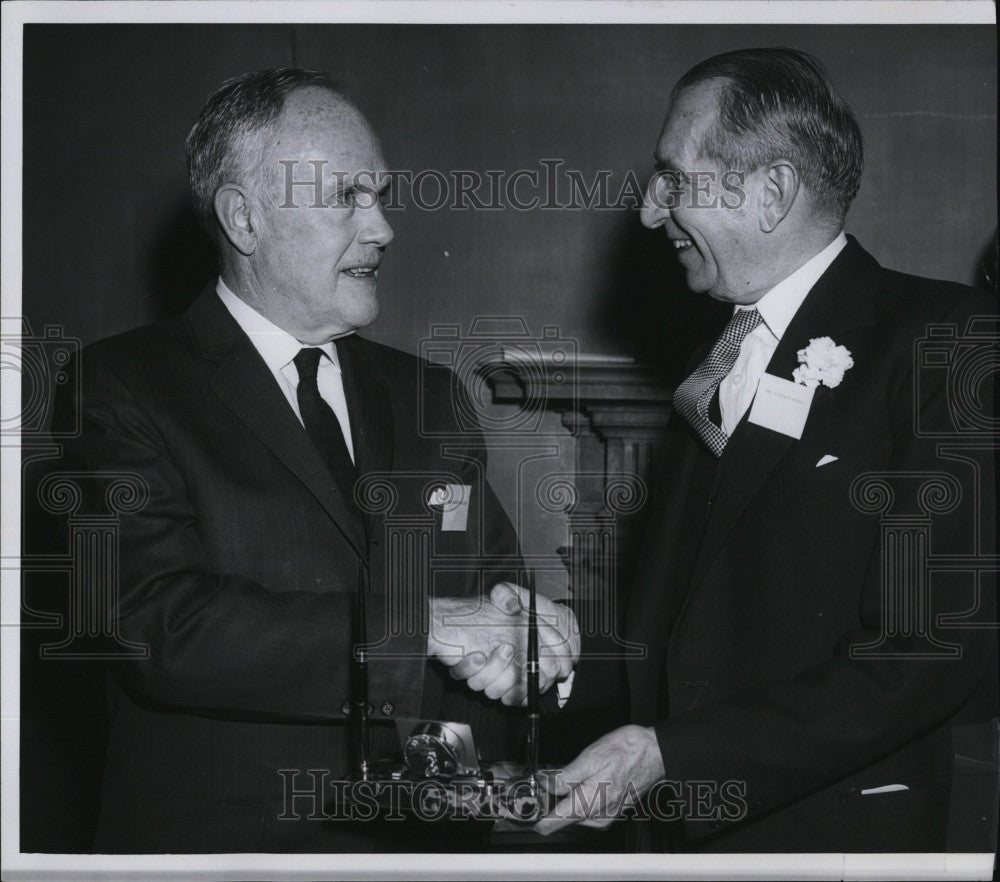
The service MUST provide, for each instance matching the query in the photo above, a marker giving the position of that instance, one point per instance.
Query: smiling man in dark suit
(808, 685)
(271, 447)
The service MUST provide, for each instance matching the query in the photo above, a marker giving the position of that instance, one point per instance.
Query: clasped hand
(485, 643)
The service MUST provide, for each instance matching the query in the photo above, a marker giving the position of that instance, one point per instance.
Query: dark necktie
(693, 396)
(322, 424)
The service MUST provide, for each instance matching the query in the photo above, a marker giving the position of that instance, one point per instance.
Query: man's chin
(696, 283)
(340, 326)
(359, 308)
(364, 317)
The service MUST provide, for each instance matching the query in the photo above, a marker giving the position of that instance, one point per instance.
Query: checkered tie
(692, 397)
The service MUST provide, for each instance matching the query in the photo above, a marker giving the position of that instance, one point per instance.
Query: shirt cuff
(564, 688)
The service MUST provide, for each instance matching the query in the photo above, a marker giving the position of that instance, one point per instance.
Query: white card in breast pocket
(454, 502)
(781, 405)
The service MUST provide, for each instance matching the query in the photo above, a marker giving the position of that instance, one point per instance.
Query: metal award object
(440, 775)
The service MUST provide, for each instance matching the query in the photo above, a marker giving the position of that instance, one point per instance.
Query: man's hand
(608, 776)
(486, 644)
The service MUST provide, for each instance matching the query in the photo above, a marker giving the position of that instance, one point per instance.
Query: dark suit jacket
(239, 571)
(760, 574)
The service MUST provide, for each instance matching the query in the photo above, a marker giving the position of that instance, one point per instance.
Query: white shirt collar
(276, 346)
(778, 306)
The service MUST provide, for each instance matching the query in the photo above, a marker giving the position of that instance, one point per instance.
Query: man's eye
(670, 178)
(360, 197)
(668, 184)
(345, 198)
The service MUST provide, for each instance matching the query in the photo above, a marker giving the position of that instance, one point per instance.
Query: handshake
(484, 642)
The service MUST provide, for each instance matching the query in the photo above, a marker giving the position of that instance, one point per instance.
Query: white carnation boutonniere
(822, 361)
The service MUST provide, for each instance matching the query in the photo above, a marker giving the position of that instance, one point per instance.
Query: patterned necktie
(693, 396)
(322, 424)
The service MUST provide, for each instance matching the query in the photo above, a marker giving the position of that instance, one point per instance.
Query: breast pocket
(900, 816)
(825, 463)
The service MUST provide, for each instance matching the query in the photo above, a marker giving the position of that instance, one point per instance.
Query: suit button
(345, 708)
(387, 708)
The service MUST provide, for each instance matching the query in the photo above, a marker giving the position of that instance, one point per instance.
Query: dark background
(110, 243)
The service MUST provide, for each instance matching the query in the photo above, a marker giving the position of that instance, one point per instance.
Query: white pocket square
(826, 460)
(887, 788)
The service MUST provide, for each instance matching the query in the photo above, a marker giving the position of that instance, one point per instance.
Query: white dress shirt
(278, 348)
(777, 308)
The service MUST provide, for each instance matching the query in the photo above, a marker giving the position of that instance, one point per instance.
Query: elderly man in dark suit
(808, 686)
(273, 448)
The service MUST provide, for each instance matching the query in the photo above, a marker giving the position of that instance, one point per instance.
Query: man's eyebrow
(379, 182)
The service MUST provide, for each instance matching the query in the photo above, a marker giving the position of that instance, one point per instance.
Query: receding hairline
(714, 86)
(797, 111)
(342, 110)
(317, 89)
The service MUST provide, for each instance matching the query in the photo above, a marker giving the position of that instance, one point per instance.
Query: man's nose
(375, 229)
(654, 211)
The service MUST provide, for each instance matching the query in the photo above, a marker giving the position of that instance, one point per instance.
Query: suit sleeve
(786, 738)
(216, 641)
(490, 547)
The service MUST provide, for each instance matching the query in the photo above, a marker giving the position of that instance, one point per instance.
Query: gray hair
(780, 103)
(228, 141)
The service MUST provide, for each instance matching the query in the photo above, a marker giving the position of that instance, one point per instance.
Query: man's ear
(235, 214)
(780, 187)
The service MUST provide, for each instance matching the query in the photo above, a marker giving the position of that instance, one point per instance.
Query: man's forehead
(690, 112)
(320, 105)
(317, 124)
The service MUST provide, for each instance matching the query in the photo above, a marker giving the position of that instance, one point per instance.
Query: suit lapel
(368, 405)
(369, 410)
(246, 386)
(840, 301)
(655, 597)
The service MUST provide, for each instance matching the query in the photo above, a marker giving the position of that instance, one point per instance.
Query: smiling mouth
(362, 272)
(681, 244)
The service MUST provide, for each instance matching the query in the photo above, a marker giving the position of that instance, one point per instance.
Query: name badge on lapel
(454, 502)
(781, 405)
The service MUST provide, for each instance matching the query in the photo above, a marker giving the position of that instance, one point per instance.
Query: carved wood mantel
(616, 409)
(616, 412)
